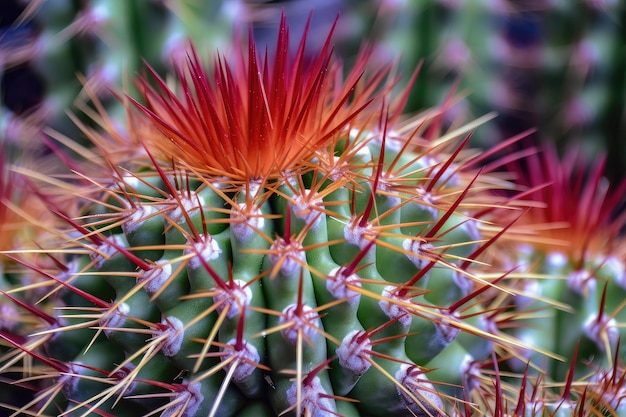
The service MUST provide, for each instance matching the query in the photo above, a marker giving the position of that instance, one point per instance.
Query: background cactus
(557, 66)
(55, 51)
(576, 240)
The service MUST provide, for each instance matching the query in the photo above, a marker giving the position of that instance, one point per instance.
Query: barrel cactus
(271, 237)
(571, 252)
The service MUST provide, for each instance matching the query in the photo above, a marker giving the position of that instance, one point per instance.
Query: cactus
(271, 237)
(575, 238)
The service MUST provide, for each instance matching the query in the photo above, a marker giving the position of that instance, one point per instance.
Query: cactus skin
(322, 250)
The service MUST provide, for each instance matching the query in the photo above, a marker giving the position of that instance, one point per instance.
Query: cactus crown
(254, 118)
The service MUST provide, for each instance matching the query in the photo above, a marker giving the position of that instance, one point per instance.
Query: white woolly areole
(615, 395)
(72, 268)
(252, 221)
(135, 219)
(9, 316)
(131, 180)
(307, 210)
(186, 202)
(355, 234)
(531, 291)
(337, 285)
(154, 278)
(307, 322)
(393, 140)
(580, 281)
(185, 403)
(114, 319)
(428, 202)
(601, 331)
(616, 269)
(290, 256)
(69, 379)
(464, 283)
(428, 161)
(471, 228)
(172, 335)
(389, 305)
(238, 297)
(98, 15)
(418, 248)
(470, 372)
(447, 331)
(387, 182)
(104, 251)
(336, 169)
(488, 324)
(392, 200)
(122, 374)
(354, 351)
(556, 260)
(247, 357)
(314, 401)
(414, 380)
(207, 248)
(254, 186)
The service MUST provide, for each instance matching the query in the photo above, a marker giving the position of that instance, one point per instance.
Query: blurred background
(555, 65)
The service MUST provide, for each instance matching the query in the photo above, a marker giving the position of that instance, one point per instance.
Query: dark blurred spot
(523, 30)
(22, 89)
(10, 10)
